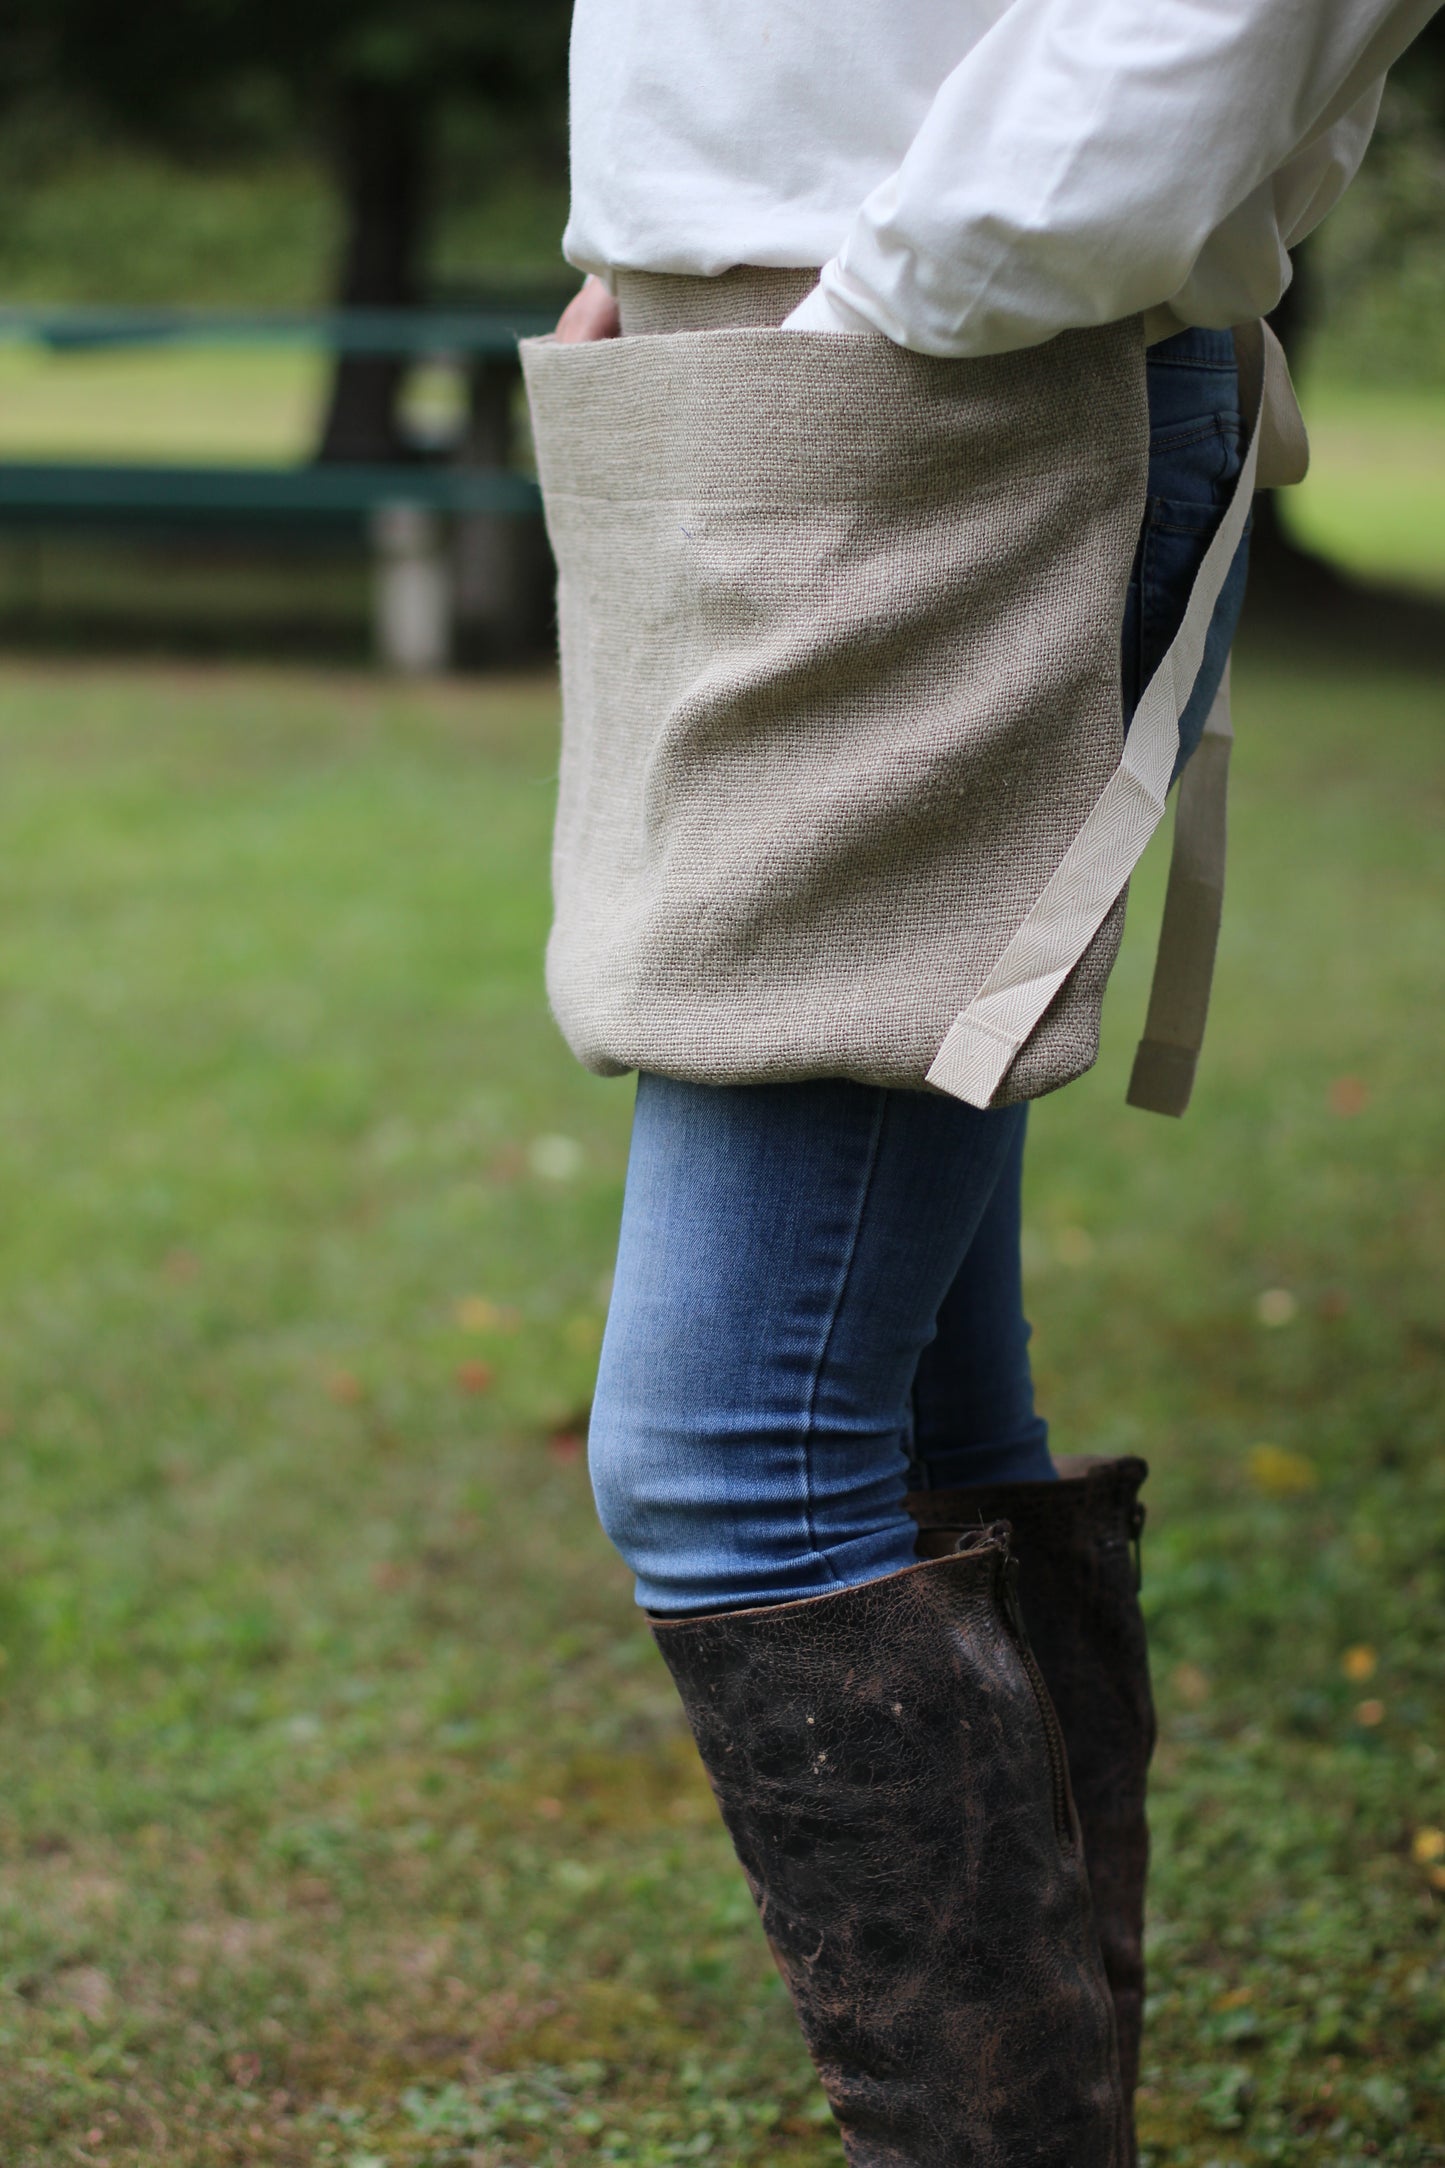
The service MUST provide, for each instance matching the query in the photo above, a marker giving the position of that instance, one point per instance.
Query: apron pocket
(840, 652)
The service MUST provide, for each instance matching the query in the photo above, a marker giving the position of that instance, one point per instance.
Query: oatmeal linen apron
(845, 789)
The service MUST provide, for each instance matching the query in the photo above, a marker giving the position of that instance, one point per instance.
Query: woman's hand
(590, 314)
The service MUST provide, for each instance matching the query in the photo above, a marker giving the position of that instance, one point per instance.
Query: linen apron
(845, 789)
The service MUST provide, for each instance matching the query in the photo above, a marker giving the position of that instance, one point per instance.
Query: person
(938, 289)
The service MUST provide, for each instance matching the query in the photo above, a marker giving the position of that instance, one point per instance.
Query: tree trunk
(505, 578)
(380, 137)
(1280, 571)
(1297, 590)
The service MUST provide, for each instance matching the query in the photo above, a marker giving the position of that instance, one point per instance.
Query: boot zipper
(1054, 1738)
(1136, 1532)
(1130, 1541)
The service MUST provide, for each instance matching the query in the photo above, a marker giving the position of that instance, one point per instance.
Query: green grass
(347, 1816)
(97, 222)
(119, 225)
(1374, 499)
(247, 405)
(241, 405)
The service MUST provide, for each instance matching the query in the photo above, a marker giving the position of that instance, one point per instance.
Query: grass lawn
(347, 1816)
(1374, 499)
(244, 405)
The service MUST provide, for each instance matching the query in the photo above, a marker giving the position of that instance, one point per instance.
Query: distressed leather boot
(1076, 1543)
(890, 1771)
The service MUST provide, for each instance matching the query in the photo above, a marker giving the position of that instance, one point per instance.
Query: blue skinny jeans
(818, 1301)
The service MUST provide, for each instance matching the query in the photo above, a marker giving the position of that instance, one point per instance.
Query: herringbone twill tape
(1080, 893)
(840, 670)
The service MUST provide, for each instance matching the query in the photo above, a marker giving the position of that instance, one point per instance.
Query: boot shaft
(892, 1775)
(1077, 1542)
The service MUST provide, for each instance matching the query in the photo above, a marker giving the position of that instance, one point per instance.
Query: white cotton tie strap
(982, 1044)
(1168, 1053)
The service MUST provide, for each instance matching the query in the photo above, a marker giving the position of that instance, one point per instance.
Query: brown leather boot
(890, 1771)
(1076, 1542)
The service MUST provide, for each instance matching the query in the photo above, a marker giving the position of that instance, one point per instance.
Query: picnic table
(473, 518)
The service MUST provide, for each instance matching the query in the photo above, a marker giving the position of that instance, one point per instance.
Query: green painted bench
(85, 493)
(421, 517)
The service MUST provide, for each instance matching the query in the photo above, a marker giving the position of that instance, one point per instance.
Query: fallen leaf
(1191, 1684)
(555, 1159)
(1370, 1713)
(1349, 1095)
(1426, 1846)
(478, 1313)
(565, 1445)
(475, 1314)
(475, 1377)
(1275, 1306)
(180, 1265)
(1359, 1663)
(1281, 1474)
(345, 1388)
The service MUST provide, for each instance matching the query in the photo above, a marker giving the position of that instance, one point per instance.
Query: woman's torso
(705, 136)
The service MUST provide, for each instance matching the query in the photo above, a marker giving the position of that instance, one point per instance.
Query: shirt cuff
(821, 311)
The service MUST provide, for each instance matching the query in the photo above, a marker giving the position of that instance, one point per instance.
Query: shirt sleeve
(1075, 166)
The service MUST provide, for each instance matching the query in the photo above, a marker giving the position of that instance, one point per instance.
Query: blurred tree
(373, 79)
(378, 73)
(368, 79)
(1281, 570)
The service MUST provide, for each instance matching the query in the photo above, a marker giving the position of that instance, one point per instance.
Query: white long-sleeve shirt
(975, 175)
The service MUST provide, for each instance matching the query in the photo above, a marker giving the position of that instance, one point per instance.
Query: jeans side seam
(839, 1293)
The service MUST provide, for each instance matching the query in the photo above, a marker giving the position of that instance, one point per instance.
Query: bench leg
(412, 592)
(504, 585)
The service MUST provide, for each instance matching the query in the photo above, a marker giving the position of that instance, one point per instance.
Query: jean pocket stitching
(1181, 516)
(1178, 436)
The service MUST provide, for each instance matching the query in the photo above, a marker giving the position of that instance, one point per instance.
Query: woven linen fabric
(840, 654)
(749, 296)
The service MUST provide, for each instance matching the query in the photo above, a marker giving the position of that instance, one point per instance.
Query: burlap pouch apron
(841, 685)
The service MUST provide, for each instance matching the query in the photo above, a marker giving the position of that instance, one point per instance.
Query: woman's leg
(883, 1756)
(974, 1418)
(784, 1253)
(766, 1366)
(1075, 1539)
(973, 1398)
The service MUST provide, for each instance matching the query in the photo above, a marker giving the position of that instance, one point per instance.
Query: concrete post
(412, 592)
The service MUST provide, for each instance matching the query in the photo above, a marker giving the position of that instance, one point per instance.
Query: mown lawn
(346, 1816)
(1374, 500)
(228, 405)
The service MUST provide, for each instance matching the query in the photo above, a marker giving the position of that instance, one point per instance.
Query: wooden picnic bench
(474, 515)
